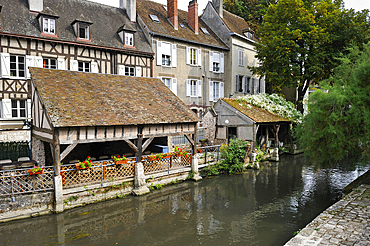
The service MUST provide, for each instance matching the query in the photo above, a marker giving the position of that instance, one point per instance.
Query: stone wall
(14, 136)
(38, 151)
(26, 205)
(209, 124)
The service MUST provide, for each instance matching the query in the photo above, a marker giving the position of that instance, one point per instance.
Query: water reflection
(261, 207)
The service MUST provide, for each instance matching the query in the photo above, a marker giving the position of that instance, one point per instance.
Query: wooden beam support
(139, 152)
(67, 151)
(56, 150)
(147, 142)
(132, 146)
(190, 139)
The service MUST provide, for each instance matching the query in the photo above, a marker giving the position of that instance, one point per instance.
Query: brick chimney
(130, 6)
(36, 5)
(173, 13)
(193, 15)
(219, 6)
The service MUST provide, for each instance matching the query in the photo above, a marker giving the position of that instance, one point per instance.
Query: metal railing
(208, 154)
(166, 164)
(18, 181)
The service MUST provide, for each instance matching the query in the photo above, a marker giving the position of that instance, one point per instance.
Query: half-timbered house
(75, 35)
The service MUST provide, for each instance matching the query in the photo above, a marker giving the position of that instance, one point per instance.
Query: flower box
(121, 162)
(34, 173)
(80, 168)
(151, 159)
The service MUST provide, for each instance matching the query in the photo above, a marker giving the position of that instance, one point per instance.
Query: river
(258, 207)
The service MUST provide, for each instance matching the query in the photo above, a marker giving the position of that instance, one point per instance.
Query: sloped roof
(89, 99)
(236, 23)
(15, 18)
(258, 115)
(146, 8)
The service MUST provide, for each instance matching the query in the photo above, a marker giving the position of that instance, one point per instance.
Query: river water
(259, 207)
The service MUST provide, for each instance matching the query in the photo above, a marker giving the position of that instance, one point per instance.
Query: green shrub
(233, 156)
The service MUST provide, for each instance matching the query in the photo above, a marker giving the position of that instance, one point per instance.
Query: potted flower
(181, 152)
(84, 164)
(119, 160)
(166, 155)
(35, 170)
(152, 157)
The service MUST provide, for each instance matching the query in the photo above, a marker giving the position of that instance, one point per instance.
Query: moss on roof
(258, 115)
(89, 99)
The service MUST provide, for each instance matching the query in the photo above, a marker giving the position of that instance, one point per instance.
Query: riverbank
(346, 222)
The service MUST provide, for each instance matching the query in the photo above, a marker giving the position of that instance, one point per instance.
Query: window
(247, 88)
(239, 83)
(17, 66)
(193, 88)
(182, 26)
(241, 58)
(166, 60)
(49, 63)
(167, 82)
(49, 26)
(129, 71)
(193, 56)
(83, 31)
(83, 66)
(19, 108)
(154, 18)
(204, 30)
(129, 39)
(249, 35)
(171, 83)
(216, 90)
(166, 54)
(216, 62)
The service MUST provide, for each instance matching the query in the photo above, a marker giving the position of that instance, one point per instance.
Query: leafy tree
(301, 38)
(338, 123)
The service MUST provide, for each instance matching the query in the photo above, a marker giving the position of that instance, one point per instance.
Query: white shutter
(188, 88)
(211, 61)
(188, 55)
(174, 55)
(138, 71)
(199, 88)
(61, 64)
(222, 92)
(222, 62)
(87, 32)
(30, 62)
(199, 57)
(5, 64)
(73, 65)
(38, 61)
(121, 69)
(243, 84)
(7, 108)
(29, 108)
(94, 67)
(174, 86)
(159, 53)
(237, 83)
(211, 91)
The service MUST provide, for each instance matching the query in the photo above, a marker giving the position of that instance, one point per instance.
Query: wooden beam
(67, 151)
(56, 149)
(147, 142)
(132, 146)
(139, 151)
(190, 139)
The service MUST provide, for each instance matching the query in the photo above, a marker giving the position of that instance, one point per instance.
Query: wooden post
(194, 145)
(139, 152)
(267, 136)
(56, 150)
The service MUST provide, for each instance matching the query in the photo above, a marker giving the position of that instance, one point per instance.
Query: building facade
(73, 35)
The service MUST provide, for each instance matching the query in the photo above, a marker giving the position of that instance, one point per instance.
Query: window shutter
(188, 93)
(247, 84)
(174, 55)
(121, 69)
(174, 86)
(61, 63)
(243, 84)
(237, 83)
(73, 65)
(94, 67)
(211, 91)
(29, 108)
(199, 57)
(38, 61)
(5, 64)
(252, 86)
(87, 32)
(211, 61)
(187, 55)
(138, 71)
(159, 53)
(30, 62)
(222, 90)
(199, 88)
(222, 62)
(7, 108)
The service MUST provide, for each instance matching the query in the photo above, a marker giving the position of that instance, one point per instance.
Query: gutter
(188, 41)
(240, 36)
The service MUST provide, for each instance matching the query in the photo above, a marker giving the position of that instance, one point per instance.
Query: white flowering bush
(274, 104)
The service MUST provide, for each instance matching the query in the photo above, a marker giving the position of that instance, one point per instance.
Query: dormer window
(127, 34)
(249, 35)
(129, 39)
(81, 27)
(83, 31)
(154, 18)
(48, 26)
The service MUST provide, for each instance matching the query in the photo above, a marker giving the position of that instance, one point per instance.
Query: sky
(183, 4)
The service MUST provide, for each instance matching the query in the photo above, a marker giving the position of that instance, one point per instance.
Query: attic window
(249, 35)
(205, 31)
(48, 25)
(83, 31)
(182, 26)
(154, 18)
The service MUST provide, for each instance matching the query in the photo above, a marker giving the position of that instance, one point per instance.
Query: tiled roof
(90, 99)
(258, 115)
(15, 18)
(146, 8)
(236, 23)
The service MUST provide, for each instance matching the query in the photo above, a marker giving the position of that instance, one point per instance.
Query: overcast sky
(183, 4)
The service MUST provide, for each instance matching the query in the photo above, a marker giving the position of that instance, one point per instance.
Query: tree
(338, 123)
(301, 38)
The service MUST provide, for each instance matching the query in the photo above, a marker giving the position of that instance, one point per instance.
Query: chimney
(172, 13)
(219, 6)
(130, 6)
(193, 15)
(36, 5)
